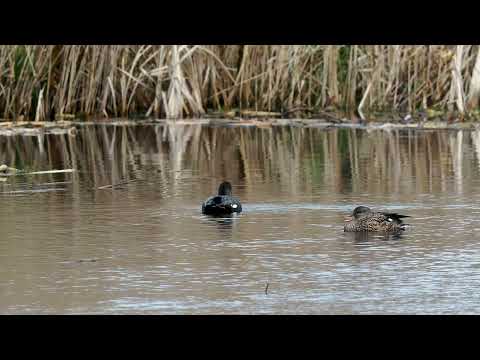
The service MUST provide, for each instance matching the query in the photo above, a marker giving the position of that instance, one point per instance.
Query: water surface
(72, 245)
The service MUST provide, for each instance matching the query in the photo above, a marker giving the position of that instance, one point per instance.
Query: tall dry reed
(46, 82)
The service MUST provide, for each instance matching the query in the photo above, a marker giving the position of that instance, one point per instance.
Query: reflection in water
(156, 253)
(348, 160)
(224, 224)
(365, 237)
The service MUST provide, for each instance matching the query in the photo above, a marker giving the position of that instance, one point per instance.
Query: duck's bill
(348, 218)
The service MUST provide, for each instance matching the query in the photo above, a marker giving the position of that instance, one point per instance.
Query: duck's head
(358, 213)
(225, 188)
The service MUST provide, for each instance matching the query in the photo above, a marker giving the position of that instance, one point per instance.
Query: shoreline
(69, 126)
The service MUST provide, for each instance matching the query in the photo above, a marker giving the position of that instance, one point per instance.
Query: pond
(71, 243)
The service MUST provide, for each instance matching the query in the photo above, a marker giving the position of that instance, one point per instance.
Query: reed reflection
(295, 158)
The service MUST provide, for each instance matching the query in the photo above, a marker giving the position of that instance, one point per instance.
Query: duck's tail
(397, 217)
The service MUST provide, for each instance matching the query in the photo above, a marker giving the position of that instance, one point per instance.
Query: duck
(364, 219)
(223, 203)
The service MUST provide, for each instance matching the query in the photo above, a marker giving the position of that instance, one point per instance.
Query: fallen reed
(173, 81)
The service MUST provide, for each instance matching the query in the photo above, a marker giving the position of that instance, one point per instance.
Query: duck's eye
(234, 206)
(389, 219)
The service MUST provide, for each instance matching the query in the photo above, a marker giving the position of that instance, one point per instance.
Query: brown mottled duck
(364, 219)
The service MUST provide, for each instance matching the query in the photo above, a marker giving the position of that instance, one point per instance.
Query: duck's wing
(374, 222)
(232, 203)
(377, 221)
(222, 203)
(213, 202)
(394, 217)
(384, 222)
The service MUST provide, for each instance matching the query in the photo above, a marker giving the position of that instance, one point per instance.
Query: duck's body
(364, 219)
(223, 203)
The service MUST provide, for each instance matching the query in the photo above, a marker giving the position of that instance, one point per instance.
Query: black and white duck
(223, 203)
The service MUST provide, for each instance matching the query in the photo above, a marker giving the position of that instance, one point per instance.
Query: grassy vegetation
(173, 81)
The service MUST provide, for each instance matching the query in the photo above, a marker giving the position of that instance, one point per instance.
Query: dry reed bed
(174, 81)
